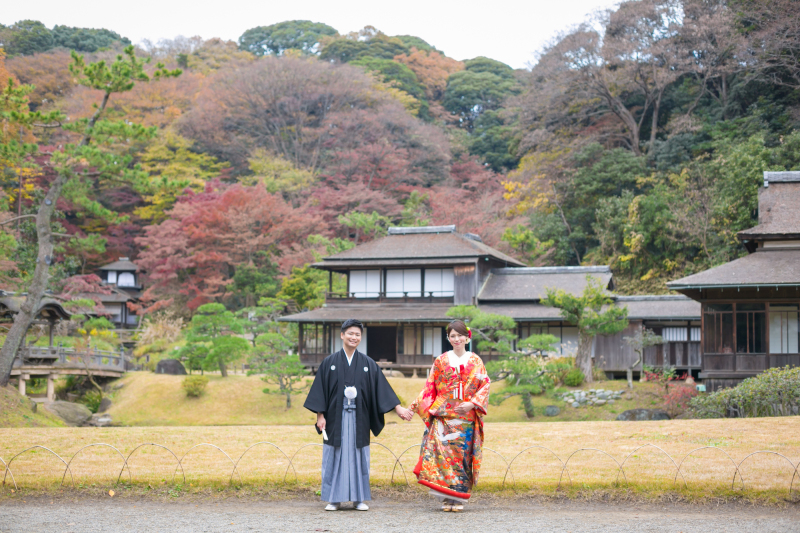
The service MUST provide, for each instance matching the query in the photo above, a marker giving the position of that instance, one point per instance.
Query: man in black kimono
(350, 395)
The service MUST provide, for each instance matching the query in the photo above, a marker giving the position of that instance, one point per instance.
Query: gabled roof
(763, 267)
(123, 264)
(414, 244)
(531, 284)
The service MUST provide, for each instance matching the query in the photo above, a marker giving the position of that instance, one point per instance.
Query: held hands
(402, 412)
(320, 421)
(463, 409)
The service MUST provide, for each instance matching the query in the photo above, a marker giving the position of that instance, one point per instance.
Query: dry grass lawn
(708, 472)
(148, 399)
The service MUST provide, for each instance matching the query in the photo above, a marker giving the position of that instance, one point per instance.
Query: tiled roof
(666, 307)
(373, 313)
(764, 267)
(445, 245)
(531, 284)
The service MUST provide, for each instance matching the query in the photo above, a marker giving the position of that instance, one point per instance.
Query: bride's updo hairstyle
(459, 327)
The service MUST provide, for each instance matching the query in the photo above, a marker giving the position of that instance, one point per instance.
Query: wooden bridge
(55, 361)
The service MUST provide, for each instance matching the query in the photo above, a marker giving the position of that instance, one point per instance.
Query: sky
(509, 31)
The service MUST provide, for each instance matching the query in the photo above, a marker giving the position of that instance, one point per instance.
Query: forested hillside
(637, 140)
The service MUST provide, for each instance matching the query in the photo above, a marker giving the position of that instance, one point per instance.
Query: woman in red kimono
(452, 404)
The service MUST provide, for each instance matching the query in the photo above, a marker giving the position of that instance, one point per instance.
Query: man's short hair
(352, 323)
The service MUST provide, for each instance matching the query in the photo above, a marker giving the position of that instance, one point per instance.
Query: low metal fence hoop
(124, 461)
(158, 446)
(525, 450)
(674, 481)
(253, 446)
(588, 450)
(8, 466)
(180, 461)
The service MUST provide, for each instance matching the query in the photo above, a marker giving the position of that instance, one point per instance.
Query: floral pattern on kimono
(452, 445)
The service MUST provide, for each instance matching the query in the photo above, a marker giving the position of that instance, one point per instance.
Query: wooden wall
(465, 285)
(616, 355)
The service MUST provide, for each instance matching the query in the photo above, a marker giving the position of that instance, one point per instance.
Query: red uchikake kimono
(451, 453)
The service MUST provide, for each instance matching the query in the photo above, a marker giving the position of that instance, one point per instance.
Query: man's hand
(464, 408)
(402, 412)
(320, 421)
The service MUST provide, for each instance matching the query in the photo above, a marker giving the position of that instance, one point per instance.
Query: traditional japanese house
(751, 306)
(122, 278)
(402, 285)
(517, 292)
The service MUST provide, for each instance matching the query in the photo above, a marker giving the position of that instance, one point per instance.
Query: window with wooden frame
(784, 328)
(718, 328)
(751, 328)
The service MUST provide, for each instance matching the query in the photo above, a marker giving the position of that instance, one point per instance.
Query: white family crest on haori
(333, 367)
(365, 369)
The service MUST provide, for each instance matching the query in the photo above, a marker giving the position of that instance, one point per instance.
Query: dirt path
(92, 515)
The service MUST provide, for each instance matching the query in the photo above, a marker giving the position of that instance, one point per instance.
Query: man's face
(351, 337)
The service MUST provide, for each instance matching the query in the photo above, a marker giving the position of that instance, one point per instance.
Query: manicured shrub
(774, 392)
(195, 385)
(574, 378)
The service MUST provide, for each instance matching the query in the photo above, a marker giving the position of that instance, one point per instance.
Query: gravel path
(299, 516)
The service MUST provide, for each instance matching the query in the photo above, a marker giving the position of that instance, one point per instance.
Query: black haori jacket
(375, 397)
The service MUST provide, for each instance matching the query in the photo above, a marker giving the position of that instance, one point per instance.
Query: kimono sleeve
(317, 400)
(427, 396)
(481, 397)
(385, 397)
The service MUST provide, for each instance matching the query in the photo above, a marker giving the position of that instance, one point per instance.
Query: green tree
(172, 166)
(415, 211)
(275, 351)
(370, 226)
(254, 281)
(343, 50)
(276, 39)
(27, 37)
(87, 40)
(214, 333)
(102, 155)
(307, 286)
(470, 93)
(527, 246)
(490, 332)
(492, 66)
(524, 371)
(397, 75)
(412, 41)
(84, 247)
(593, 312)
(492, 140)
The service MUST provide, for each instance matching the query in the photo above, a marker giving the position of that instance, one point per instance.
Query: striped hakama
(345, 470)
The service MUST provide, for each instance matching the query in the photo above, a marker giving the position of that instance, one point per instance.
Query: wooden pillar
(52, 323)
(51, 388)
